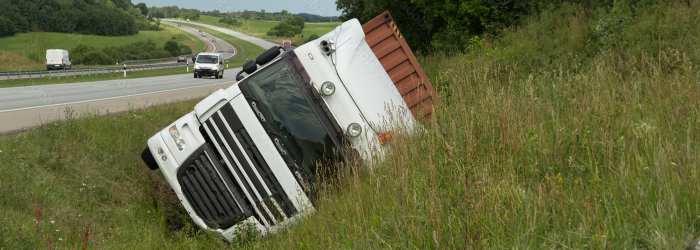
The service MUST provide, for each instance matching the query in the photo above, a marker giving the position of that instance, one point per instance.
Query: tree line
(93, 17)
(177, 12)
(454, 24)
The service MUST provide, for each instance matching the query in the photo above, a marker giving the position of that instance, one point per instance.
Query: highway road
(219, 46)
(251, 39)
(25, 107)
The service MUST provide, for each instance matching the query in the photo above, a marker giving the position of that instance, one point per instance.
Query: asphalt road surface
(24, 107)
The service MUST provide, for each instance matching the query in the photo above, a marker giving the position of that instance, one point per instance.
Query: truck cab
(253, 152)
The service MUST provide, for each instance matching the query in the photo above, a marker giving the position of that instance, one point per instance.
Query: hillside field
(21, 44)
(259, 28)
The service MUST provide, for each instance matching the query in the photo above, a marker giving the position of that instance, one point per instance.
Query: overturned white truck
(251, 153)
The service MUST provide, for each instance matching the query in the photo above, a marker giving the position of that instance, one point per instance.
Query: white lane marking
(100, 86)
(107, 98)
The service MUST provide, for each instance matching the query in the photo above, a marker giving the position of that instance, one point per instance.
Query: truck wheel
(147, 158)
(195, 75)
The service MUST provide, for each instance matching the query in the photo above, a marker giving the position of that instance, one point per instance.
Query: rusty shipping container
(383, 36)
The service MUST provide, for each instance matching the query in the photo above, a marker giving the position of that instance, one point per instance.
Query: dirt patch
(191, 44)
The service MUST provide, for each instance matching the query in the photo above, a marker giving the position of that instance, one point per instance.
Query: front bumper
(207, 72)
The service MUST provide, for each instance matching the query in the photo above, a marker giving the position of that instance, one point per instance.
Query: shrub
(611, 24)
(161, 54)
(312, 37)
(288, 28)
(230, 21)
(184, 50)
(172, 47)
(93, 58)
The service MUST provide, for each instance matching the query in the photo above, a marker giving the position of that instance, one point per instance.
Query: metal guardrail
(82, 72)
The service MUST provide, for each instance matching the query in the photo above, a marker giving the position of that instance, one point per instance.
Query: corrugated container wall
(387, 43)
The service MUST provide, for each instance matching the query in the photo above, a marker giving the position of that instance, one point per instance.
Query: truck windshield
(294, 120)
(207, 59)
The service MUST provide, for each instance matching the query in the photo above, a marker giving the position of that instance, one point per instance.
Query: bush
(230, 21)
(611, 24)
(312, 37)
(288, 28)
(172, 47)
(93, 58)
(184, 50)
(161, 54)
(143, 25)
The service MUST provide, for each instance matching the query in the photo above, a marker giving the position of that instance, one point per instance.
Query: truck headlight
(354, 130)
(215, 68)
(327, 88)
(177, 137)
(196, 66)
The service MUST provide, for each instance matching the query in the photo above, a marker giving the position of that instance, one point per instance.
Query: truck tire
(195, 75)
(147, 158)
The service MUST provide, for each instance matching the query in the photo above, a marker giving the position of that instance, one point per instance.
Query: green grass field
(259, 28)
(544, 140)
(21, 44)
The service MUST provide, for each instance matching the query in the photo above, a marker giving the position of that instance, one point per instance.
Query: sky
(318, 7)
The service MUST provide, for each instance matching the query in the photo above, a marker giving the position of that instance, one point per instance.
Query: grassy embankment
(259, 28)
(545, 139)
(21, 46)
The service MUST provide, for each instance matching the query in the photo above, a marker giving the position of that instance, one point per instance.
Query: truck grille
(246, 166)
(210, 190)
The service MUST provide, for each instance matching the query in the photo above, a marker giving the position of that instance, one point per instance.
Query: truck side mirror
(268, 55)
(249, 67)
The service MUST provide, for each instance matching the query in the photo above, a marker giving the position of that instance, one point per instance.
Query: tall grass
(545, 139)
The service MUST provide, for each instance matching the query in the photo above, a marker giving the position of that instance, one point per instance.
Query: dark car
(181, 59)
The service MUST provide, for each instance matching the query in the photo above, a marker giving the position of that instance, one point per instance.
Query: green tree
(7, 27)
(410, 19)
(172, 47)
(143, 8)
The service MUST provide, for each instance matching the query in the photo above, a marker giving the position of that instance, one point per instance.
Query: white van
(209, 64)
(57, 59)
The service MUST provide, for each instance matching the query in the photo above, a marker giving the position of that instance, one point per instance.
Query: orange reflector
(384, 138)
